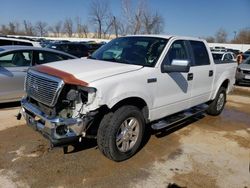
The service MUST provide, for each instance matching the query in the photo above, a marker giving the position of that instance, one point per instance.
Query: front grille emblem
(34, 88)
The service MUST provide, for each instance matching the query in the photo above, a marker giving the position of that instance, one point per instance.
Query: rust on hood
(66, 77)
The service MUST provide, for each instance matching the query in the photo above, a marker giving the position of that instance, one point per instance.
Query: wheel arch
(134, 101)
(225, 84)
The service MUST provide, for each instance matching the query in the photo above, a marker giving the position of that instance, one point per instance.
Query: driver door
(173, 92)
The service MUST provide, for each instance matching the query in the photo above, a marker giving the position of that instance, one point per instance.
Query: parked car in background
(218, 49)
(243, 72)
(246, 54)
(73, 48)
(17, 41)
(223, 57)
(236, 52)
(14, 62)
(93, 46)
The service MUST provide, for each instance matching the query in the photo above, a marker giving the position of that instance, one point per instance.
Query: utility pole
(235, 34)
(115, 24)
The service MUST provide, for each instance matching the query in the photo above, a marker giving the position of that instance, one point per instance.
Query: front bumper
(242, 77)
(60, 131)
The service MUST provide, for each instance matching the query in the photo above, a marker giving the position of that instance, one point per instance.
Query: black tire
(110, 126)
(217, 105)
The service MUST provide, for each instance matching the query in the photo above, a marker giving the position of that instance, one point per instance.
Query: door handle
(211, 73)
(190, 76)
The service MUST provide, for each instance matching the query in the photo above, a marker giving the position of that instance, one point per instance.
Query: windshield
(217, 56)
(247, 61)
(143, 51)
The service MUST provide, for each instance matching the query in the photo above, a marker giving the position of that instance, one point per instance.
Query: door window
(46, 57)
(177, 51)
(16, 59)
(200, 53)
(228, 57)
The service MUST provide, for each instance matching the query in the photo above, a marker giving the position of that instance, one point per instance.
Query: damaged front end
(62, 112)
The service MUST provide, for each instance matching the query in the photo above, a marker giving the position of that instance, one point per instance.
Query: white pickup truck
(128, 84)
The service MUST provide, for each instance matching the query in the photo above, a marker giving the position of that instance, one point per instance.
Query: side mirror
(177, 66)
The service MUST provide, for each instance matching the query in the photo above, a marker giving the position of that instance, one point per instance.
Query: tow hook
(18, 116)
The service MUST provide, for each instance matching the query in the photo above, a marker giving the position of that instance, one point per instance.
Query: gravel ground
(203, 152)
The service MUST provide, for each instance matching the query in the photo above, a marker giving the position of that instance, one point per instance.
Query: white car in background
(223, 57)
(4, 41)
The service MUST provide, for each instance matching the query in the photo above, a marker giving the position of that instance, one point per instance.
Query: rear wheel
(217, 105)
(120, 133)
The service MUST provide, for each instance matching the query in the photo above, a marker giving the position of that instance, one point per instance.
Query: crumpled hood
(89, 70)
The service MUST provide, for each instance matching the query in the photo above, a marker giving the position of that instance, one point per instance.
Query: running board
(179, 117)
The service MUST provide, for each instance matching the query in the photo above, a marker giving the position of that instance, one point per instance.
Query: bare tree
(68, 27)
(141, 20)
(243, 36)
(221, 36)
(56, 29)
(41, 28)
(12, 28)
(4, 30)
(152, 23)
(28, 28)
(81, 29)
(100, 16)
(132, 20)
(210, 39)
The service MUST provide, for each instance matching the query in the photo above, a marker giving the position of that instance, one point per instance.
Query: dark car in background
(73, 48)
(246, 54)
(79, 49)
(92, 46)
(243, 72)
(14, 62)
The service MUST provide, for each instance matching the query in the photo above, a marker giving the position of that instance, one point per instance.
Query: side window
(17, 59)
(227, 57)
(22, 43)
(177, 51)
(46, 57)
(5, 42)
(200, 53)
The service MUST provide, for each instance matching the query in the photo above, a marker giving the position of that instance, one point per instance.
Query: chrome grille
(246, 71)
(43, 88)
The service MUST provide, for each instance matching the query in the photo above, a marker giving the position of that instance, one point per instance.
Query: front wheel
(217, 105)
(120, 133)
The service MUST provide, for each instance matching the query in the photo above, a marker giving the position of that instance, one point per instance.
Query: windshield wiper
(91, 57)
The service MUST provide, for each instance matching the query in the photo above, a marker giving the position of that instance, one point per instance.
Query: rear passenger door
(203, 73)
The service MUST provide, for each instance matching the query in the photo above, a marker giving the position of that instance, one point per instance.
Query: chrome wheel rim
(127, 134)
(220, 102)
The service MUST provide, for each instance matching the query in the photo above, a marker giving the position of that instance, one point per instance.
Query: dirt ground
(203, 152)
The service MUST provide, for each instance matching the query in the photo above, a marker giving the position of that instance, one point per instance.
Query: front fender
(116, 99)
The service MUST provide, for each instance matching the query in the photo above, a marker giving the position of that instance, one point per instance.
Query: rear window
(200, 53)
(4, 42)
(22, 43)
(217, 56)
